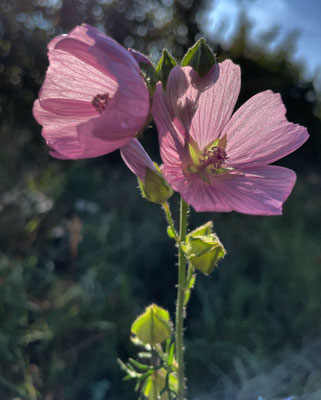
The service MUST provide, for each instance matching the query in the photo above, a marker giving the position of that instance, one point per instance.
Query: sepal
(200, 57)
(147, 69)
(164, 67)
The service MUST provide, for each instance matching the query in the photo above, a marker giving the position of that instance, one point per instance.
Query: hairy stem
(180, 301)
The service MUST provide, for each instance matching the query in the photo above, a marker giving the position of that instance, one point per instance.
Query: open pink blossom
(219, 161)
(136, 159)
(94, 99)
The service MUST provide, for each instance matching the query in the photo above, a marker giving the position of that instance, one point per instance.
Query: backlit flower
(94, 99)
(220, 162)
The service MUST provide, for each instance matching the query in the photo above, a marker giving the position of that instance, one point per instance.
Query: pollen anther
(214, 157)
(100, 102)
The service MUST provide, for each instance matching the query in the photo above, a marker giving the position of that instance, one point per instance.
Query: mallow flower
(94, 99)
(218, 161)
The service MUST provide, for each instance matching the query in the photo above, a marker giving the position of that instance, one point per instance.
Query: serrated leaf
(153, 326)
(164, 67)
(200, 57)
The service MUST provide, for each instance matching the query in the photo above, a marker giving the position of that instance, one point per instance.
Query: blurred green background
(81, 254)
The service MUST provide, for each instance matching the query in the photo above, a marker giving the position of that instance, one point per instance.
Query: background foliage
(81, 254)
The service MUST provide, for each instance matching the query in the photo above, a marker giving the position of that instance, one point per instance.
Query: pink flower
(220, 162)
(94, 99)
(136, 159)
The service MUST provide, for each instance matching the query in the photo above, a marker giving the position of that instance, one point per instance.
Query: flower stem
(180, 301)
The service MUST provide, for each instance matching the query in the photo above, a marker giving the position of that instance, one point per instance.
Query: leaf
(153, 326)
(200, 57)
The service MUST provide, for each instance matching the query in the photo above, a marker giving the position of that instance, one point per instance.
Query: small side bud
(200, 57)
(154, 187)
(153, 326)
(203, 248)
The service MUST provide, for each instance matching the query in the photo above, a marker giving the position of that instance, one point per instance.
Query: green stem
(180, 301)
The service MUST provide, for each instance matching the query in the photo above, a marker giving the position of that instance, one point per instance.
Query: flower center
(214, 158)
(100, 102)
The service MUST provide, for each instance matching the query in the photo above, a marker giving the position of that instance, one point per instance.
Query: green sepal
(153, 326)
(200, 57)
(203, 248)
(150, 75)
(164, 67)
(155, 188)
(202, 230)
(139, 366)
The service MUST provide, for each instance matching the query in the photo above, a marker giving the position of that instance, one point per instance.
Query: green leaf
(164, 67)
(153, 326)
(155, 188)
(200, 57)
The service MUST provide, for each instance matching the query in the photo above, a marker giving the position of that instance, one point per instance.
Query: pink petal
(125, 116)
(259, 133)
(70, 78)
(256, 191)
(99, 51)
(62, 136)
(170, 136)
(204, 105)
(136, 158)
(69, 107)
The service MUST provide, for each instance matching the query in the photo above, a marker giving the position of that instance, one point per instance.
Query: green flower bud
(153, 326)
(203, 248)
(154, 187)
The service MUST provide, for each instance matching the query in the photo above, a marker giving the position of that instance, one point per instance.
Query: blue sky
(303, 15)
